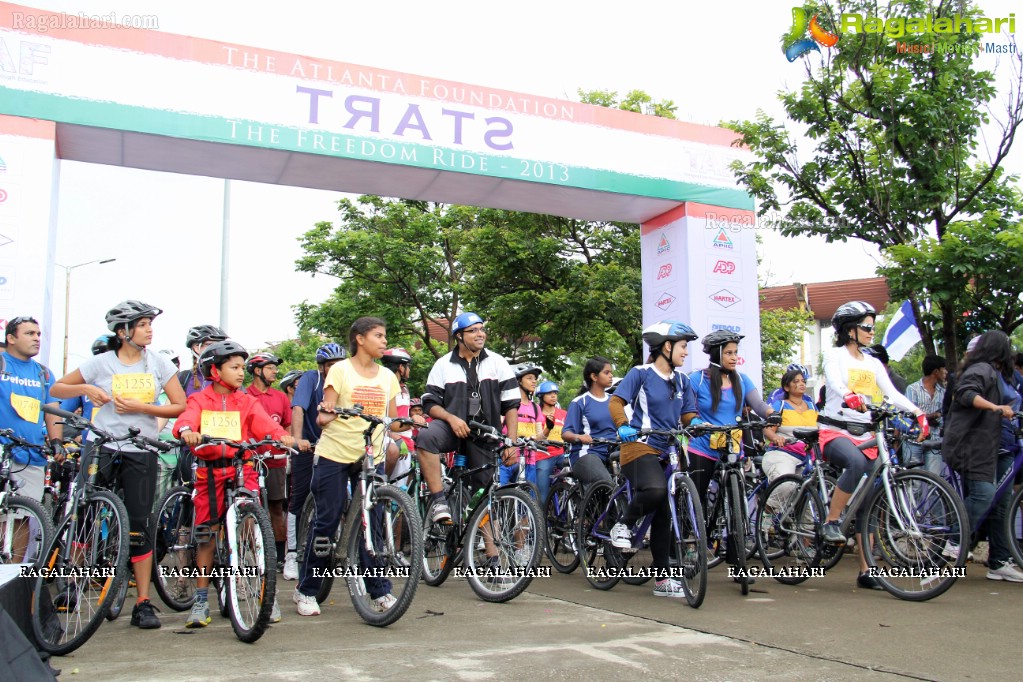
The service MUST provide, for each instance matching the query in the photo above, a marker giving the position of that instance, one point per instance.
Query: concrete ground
(561, 628)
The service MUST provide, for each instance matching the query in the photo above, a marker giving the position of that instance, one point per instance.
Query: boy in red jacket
(221, 410)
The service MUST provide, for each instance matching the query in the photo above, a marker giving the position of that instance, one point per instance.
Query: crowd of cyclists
(126, 385)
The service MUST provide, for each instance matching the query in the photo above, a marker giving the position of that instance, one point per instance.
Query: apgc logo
(663, 246)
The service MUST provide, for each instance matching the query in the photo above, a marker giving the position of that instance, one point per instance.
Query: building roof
(825, 297)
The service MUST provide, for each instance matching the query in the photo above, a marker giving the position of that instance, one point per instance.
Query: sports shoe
(950, 551)
(144, 616)
(306, 604)
(621, 536)
(441, 512)
(669, 588)
(241, 588)
(200, 615)
(291, 566)
(767, 522)
(497, 574)
(1007, 571)
(275, 613)
(522, 557)
(832, 533)
(384, 603)
(868, 582)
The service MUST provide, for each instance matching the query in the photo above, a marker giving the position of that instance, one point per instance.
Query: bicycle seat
(806, 435)
(614, 456)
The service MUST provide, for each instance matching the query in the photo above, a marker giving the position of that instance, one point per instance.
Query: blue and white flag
(902, 333)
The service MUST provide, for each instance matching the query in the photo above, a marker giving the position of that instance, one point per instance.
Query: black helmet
(127, 313)
(261, 360)
(202, 333)
(524, 368)
(668, 330)
(101, 345)
(290, 378)
(394, 357)
(720, 337)
(851, 312)
(218, 353)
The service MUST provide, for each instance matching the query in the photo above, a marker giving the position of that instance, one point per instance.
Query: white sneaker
(306, 604)
(275, 614)
(669, 588)
(1007, 571)
(291, 566)
(522, 557)
(384, 603)
(621, 536)
(950, 551)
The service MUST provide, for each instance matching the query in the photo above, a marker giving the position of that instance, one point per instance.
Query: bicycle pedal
(203, 533)
(322, 546)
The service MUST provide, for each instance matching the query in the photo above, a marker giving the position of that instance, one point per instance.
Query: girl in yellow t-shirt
(359, 380)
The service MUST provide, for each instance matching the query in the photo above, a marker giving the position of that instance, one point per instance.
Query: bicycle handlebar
(248, 446)
(356, 411)
(133, 437)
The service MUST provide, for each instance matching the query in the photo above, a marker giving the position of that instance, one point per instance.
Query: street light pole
(67, 297)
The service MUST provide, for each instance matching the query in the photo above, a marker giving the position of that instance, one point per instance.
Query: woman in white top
(855, 379)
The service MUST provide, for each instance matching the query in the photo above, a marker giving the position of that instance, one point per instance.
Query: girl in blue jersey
(589, 418)
(721, 394)
(660, 397)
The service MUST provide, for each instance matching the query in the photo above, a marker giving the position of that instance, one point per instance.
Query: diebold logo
(663, 246)
(724, 298)
(734, 328)
(797, 43)
(664, 301)
(724, 267)
(721, 241)
(664, 271)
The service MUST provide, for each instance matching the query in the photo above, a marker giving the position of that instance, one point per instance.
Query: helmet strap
(217, 379)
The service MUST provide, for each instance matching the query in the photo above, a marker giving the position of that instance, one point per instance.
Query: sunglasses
(869, 328)
(476, 330)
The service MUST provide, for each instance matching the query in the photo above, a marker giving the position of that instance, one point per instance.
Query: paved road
(562, 629)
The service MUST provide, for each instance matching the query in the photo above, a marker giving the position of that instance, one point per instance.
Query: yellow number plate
(141, 387)
(221, 424)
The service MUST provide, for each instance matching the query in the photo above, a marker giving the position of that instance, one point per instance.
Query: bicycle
(497, 518)
(366, 544)
(604, 504)
(25, 527)
(561, 514)
(244, 546)
(86, 561)
(914, 519)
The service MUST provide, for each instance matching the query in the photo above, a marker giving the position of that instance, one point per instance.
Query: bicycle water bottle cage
(203, 533)
(461, 460)
(322, 546)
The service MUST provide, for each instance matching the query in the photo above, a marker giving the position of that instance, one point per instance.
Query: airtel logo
(664, 271)
(724, 267)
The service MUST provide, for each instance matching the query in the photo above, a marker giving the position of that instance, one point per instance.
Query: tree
(895, 136)
(780, 330)
(636, 100)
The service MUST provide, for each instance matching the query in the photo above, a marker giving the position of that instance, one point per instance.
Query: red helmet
(396, 356)
(415, 402)
(261, 360)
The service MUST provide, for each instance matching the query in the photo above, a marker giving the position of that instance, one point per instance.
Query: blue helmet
(669, 330)
(464, 321)
(547, 387)
(330, 351)
(802, 369)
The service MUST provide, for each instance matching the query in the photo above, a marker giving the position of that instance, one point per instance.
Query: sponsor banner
(720, 266)
(726, 299)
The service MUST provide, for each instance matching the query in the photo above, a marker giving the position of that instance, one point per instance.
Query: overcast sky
(718, 61)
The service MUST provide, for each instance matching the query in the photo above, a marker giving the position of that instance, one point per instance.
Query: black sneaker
(143, 616)
(67, 599)
(832, 533)
(868, 582)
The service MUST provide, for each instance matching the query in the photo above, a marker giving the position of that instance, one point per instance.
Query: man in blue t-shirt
(24, 389)
(304, 409)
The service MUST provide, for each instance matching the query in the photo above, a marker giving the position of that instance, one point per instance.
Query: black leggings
(701, 470)
(650, 494)
(135, 479)
(843, 454)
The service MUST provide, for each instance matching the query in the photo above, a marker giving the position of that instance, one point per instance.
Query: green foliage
(780, 331)
(895, 137)
(636, 100)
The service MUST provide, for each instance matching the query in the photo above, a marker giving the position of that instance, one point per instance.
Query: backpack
(44, 371)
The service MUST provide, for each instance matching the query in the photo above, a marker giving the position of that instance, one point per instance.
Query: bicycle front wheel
(503, 544)
(383, 570)
(562, 507)
(25, 531)
(737, 523)
(174, 548)
(922, 542)
(1014, 526)
(788, 535)
(252, 582)
(597, 516)
(690, 542)
(89, 557)
(440, 540)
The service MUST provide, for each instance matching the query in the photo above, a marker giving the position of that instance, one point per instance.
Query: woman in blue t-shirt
(721, 394)
(589, 418)
(660, 398)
